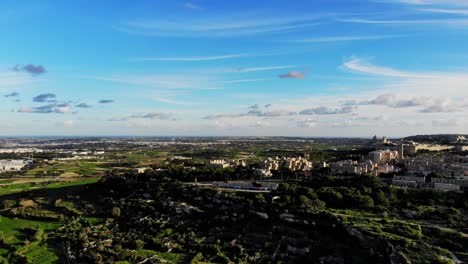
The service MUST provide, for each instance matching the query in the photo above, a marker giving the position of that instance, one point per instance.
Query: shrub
(7, 204)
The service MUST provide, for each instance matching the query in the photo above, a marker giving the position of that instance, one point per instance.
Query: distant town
(399, 162)
(234, 200)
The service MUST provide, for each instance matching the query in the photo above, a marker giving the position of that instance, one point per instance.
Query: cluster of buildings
(355, 167)
(448, 165)
(292, 163)
(439, 172)
(435, 171)
(20, 150)
(266, 167)
(379, 161)
(407, 146)
(247, 185)
(222, 164)
(438, 184)
(13, 165)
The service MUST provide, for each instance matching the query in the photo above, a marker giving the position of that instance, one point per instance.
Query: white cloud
(63, 109)
(190, 5)
(309, 122)
(360, 65)
(444, 123)
(69, 124)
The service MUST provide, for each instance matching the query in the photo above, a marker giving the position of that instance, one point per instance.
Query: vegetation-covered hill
(435, 139)
(153, 218)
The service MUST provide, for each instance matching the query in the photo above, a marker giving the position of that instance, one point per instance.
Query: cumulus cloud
(254, 113)
(428, 104)
(61, 108)
(292, 75)
(153, 115)
(149, 115)
(69, 124)
(266, 112)
(326, 111)
(445, 123)
(222, 116)
(13, 94)
(105, 101)
(30, 68)
(309, 122)
(440, 106)
(44, 97)
(392, 100)
(83, 105)
(260, 124)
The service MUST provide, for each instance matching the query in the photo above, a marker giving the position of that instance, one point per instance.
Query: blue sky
(243, 68)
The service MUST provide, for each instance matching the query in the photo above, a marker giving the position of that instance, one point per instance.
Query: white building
(218, 164)
(384, 155)
(12, 165)
(446, 187)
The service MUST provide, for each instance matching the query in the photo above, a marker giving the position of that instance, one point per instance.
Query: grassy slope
(12, 228)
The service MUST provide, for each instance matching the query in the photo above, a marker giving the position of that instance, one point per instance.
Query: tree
(116, 212)
(260, 199)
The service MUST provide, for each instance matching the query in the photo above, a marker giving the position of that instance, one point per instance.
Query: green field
(22, 187)
(12, 229)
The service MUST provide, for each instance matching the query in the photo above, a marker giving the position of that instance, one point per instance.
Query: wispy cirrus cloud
(264, 68)
(433, 22)
(432, 2)
(446, 11)
(425, 92)
(343, 38)
(166, 81)
(361, 65)
(222, 26)
(196, 58)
